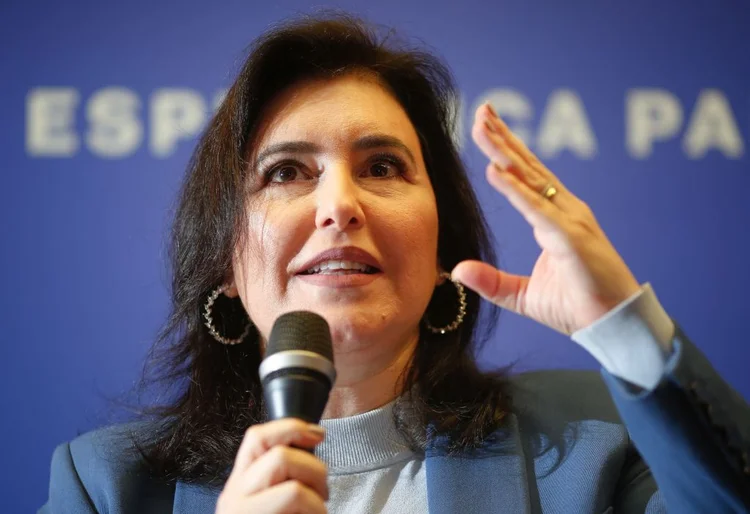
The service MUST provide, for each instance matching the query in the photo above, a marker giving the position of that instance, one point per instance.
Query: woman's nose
(338, 202)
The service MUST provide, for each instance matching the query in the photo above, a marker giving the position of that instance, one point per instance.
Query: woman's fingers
(282, 463)
(498, 125)
(537, 210)
(501, 146)
(287, 432)
(482, 135)
(291, 497)
(503, 289)
(270, 475)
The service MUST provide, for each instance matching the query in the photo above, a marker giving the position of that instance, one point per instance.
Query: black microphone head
(297, 371)
(301, 330)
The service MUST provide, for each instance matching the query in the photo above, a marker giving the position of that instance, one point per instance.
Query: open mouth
(340, 268)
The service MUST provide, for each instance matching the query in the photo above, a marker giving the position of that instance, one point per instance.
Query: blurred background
(642, 108)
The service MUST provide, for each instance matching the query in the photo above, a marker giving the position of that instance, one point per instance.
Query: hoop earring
(461, 308)
(207, 310)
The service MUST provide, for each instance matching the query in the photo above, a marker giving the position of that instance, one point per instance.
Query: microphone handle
(300, 394)
(296, 395)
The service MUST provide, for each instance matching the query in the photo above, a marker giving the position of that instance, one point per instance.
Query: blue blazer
(577, 442)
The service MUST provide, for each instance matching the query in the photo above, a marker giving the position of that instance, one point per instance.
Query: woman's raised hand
(270, 476)
(579, 276)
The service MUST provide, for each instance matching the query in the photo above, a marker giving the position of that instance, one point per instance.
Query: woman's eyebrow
(287, 147)
(380, 141)
(364, 143)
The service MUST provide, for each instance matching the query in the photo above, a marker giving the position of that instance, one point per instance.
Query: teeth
(338, 265)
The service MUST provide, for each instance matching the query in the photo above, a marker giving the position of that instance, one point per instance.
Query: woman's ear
(439, 279)
(231, 291)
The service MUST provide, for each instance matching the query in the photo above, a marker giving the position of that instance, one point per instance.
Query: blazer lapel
(492, 480)
(194, 499)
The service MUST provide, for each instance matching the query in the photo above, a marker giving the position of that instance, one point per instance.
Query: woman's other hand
(579, 276)
(271, 476)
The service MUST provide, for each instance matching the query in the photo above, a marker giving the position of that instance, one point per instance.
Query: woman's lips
(339, 279)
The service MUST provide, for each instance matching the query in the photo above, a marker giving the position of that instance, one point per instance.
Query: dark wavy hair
(214, 389)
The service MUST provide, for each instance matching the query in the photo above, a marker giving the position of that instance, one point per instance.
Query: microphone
(297, 372)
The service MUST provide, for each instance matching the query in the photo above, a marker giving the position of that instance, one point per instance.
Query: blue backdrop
(640, 107)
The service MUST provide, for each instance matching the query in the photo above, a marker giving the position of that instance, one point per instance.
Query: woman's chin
(357, 328)
(367, 338)
(349, 336)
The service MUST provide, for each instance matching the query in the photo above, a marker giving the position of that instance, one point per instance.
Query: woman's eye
(381, 169)
(285, 173)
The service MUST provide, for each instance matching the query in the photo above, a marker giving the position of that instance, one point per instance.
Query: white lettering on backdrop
(114, 129)
(114, 124)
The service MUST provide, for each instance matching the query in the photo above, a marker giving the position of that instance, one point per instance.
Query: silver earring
(208, 307)
(461, 308)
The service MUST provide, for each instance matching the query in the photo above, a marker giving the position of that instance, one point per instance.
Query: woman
(328, 181)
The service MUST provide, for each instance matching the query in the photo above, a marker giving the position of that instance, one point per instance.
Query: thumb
(503, 289)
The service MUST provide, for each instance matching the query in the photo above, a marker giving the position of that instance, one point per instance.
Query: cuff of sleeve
(632, 341)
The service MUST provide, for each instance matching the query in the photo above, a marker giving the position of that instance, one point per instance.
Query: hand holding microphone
(275, 470)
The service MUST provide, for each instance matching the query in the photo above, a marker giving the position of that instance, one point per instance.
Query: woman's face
(337, 165)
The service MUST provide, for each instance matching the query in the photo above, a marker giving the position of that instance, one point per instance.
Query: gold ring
(549, 191)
